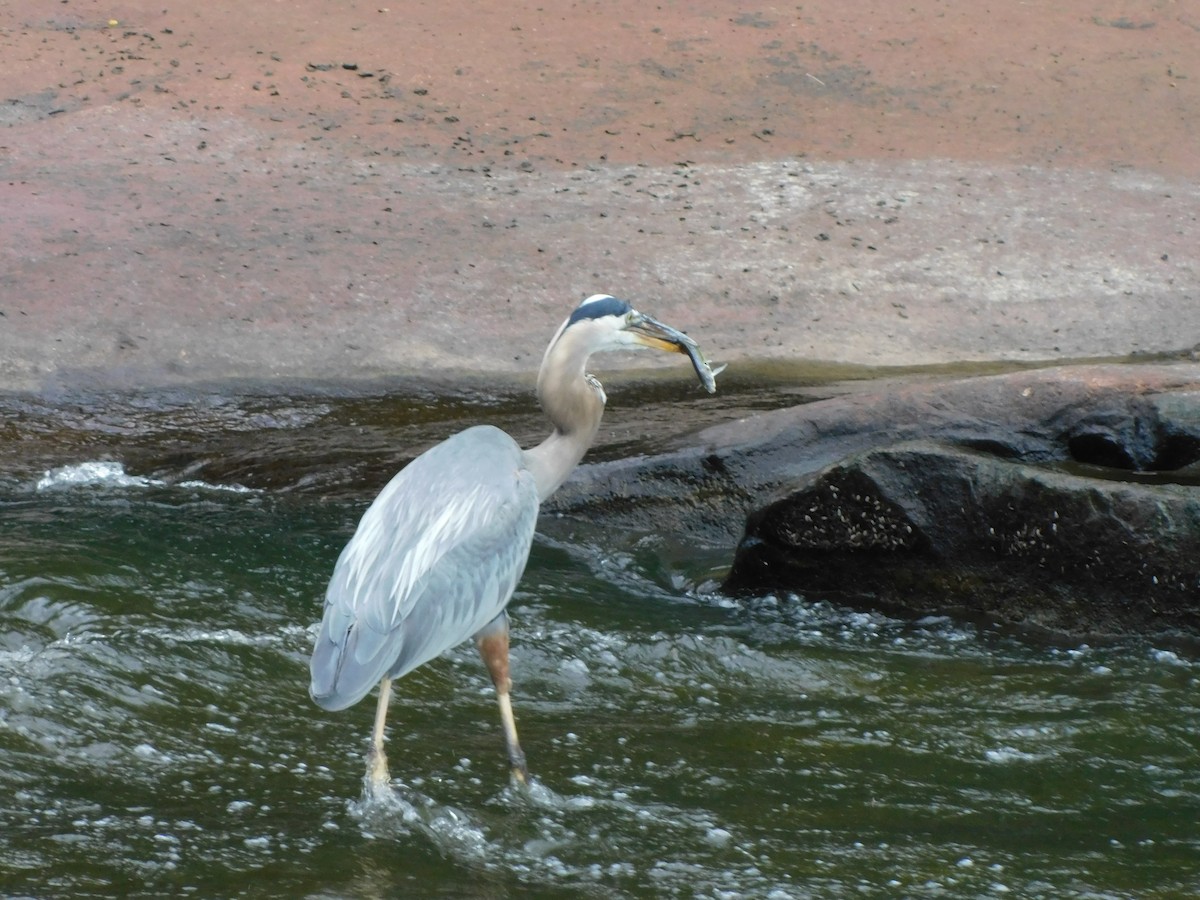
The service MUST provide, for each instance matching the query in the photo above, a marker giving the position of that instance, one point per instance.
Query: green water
(156, 738)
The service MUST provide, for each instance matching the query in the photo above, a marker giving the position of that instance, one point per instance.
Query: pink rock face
(291, 190)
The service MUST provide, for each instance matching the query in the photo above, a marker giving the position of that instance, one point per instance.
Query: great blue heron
(437, 556)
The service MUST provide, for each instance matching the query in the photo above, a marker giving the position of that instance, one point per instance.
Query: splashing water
(105, 473)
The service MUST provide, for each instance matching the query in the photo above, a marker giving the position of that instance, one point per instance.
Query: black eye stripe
(598, 309)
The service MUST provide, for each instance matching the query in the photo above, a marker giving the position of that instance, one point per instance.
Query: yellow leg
(377, 769)
(493, 647)
(516, 756)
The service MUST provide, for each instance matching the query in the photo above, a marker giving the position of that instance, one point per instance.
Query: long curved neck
(574, 406)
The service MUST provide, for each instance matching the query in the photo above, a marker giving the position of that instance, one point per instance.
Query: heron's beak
(651, 333)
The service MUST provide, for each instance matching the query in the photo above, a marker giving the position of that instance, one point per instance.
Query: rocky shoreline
(1062, 502)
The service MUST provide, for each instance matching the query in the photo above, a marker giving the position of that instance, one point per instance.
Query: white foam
(1008, 755)
(111, 474)
(1169, 657)
(100, 473)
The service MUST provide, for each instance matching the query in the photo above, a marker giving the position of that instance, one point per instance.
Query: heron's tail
(346, 663)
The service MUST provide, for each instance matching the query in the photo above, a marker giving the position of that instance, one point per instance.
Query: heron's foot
(378, 779)
(518, 771)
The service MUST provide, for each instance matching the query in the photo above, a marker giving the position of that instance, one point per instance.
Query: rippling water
(161, 568)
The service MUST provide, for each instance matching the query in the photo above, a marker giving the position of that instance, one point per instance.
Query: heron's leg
(377, 768)
(493, 647)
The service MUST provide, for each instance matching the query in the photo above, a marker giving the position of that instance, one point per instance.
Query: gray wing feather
(435, 558)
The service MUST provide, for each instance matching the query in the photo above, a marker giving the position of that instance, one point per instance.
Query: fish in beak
(650, 332)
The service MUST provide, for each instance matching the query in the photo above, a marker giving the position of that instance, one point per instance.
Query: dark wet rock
(923, 528)
(1061, 499)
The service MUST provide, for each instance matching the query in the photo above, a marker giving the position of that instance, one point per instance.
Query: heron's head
(602, 322)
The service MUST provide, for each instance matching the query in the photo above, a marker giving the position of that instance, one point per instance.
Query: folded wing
(435, 558)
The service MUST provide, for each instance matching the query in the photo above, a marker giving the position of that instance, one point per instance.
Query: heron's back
(434, 559)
